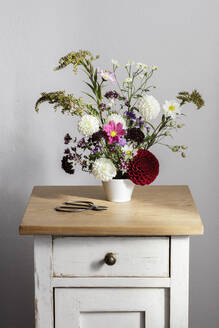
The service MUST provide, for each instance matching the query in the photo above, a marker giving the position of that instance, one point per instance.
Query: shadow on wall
(22, 165)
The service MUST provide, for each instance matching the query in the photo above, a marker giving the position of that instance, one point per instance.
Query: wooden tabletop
(154, 210)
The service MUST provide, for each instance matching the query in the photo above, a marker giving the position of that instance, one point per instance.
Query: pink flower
(107, 76)
(114, 131)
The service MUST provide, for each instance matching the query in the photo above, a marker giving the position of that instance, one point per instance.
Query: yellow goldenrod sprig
(76, 59)
(68, 103)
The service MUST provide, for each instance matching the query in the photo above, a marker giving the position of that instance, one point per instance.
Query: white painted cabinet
(110, 307)
(127, 267)
(144, 284)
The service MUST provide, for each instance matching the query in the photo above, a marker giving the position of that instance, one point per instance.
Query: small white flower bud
(184, 147)
(172, 123)
(175, 149)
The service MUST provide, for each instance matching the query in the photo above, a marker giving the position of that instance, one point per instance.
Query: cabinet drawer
(135, 256)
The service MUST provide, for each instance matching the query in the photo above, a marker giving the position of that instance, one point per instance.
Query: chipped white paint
(43, 287)
(71, 305)
(120, 297)
(136, 256)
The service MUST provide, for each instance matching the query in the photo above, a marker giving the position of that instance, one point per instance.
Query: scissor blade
(81, 202)
(69, 209)
(99, 208)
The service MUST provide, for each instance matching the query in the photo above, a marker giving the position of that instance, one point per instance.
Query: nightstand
(127, 266)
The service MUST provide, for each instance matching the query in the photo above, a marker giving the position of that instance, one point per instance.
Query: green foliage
(92, 111)
(194, 97)
(76, 59)
(68, 103)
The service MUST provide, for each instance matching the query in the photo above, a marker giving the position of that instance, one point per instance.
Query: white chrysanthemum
(117, 119)
(149, 107)
(171, 108)
(88, 125)
(104, 169)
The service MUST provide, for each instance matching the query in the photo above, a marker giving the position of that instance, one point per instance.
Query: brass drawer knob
(110, 259)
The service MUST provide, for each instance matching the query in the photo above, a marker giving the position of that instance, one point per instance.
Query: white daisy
(128, 80)
(171, 108)
(115, 62)
(130, 63)
(128, 150)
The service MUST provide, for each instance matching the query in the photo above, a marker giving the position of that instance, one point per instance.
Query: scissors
(79, 206)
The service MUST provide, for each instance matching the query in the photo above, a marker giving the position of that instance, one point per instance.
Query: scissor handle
(79, 206)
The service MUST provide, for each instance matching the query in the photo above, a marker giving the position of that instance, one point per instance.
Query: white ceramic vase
(118, 190)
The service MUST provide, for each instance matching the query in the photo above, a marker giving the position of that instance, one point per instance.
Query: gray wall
(179, 36)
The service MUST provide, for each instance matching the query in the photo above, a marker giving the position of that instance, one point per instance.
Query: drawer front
(135, 256)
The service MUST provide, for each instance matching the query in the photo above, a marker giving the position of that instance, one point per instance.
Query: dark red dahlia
(144, 168)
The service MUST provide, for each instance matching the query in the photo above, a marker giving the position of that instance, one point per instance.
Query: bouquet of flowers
(120, 122)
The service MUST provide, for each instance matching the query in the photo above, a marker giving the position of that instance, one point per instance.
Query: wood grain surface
(153, 211)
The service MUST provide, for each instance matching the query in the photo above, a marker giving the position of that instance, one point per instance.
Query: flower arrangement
(117, 124)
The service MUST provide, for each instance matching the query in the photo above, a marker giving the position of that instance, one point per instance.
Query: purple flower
(81, 142)
(121, 142)
(67, 151)
(95, 150)
(102, 106)
(147, 128)
(123, 165)
(140, 122)
(130, 115)
(67, 138)
(112, 94)
(70, 157)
